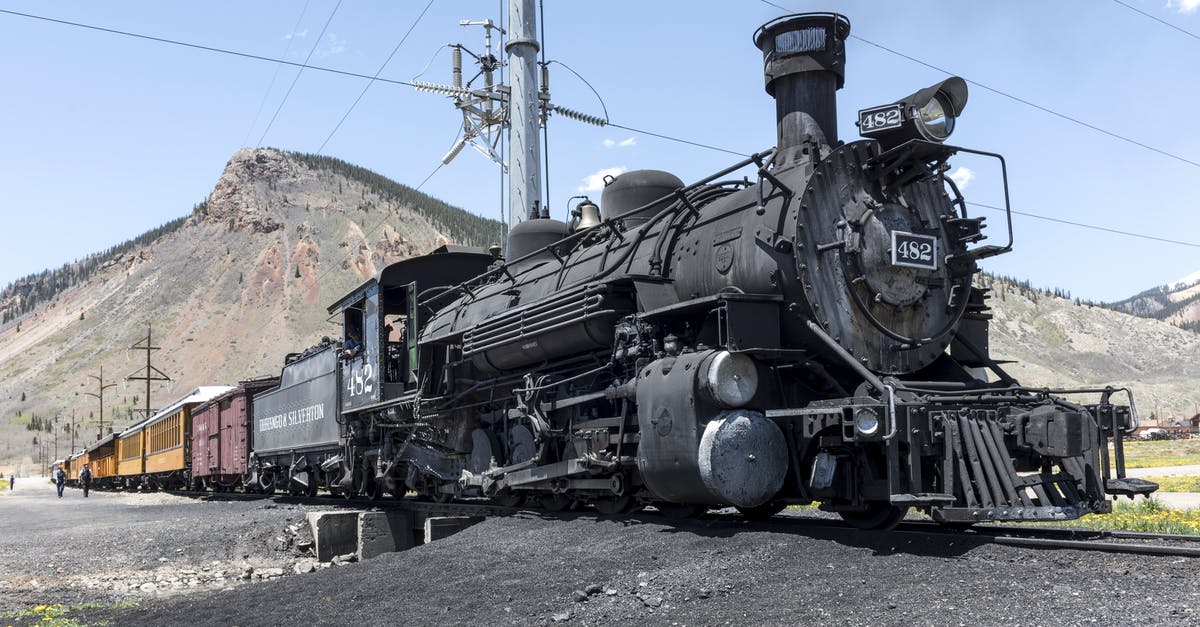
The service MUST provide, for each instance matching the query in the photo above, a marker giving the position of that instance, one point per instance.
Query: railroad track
(1080, 539)
(1103, 540)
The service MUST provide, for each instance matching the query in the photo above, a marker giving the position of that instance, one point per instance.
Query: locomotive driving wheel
(877, 516)
(556, 502)
(762, 512)
(614, 505)
(508, 498)
(679, 511)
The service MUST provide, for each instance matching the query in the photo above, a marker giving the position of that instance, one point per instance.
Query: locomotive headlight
(934, 119)
(732, 379)
(928, 115)
(866, 421)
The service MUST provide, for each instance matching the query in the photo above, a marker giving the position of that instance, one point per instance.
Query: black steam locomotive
(809, 332)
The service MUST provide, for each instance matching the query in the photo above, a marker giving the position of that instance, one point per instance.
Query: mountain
(1059, 342)
(1177, 302)
(228, 291)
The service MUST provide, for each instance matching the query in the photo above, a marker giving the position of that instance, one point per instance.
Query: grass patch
(1190, 483)
(56, 615)
(1160, 453)
(53, 615)
(1148, 515)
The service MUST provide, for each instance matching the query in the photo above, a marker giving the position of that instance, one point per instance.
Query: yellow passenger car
(131, 456)
(102, 459)
(72, 465)
(165, 441)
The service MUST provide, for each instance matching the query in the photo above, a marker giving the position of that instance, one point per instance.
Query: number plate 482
(913, 250)
(880, 118)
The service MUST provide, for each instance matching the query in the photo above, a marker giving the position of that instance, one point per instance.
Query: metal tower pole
(100, 396)
(524, 149)
(149, 373)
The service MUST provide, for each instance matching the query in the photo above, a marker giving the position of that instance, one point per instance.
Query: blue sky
(103, 137)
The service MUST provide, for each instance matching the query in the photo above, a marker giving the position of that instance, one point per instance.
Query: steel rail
(1099, 540)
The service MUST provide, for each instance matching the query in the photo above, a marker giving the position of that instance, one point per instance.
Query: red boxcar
(221, 436)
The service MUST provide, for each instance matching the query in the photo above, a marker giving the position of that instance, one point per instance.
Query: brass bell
(589, 215)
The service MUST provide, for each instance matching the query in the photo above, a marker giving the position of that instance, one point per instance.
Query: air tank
(533, 235)
(626, 197)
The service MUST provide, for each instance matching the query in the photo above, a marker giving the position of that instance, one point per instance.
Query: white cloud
(331, 46)
(595, 182)
(624, 143)
(962, 177)
(300, 34)
(1184, 6)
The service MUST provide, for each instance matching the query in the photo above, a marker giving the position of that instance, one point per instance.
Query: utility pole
(100, 395)
(55, 427)
(149, 373)
(524, 149)
(525, 107)
(72, 430)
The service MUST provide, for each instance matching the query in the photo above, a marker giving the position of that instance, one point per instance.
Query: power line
(307, 66)
(613, 124)
(585, 82)
(315, 45)
(677, 139)
(371, 231)
(1159, 20)
(267, 93)
(175, 42)
(376, 76)
(1023, 101)
(1039, 107)
(1088, 226)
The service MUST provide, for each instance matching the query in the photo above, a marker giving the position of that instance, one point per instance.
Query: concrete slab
(384, 532)
(1173, 500)
(444, 527)
(335, 533)
(1164, 471)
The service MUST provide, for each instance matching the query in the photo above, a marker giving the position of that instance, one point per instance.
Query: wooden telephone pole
(149, 373)
(100, 395)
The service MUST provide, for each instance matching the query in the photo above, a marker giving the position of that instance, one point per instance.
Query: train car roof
(198, 395)
(241, 387)
(446, 265)
(102, 441)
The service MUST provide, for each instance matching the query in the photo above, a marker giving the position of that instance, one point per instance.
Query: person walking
(12, 481)
(85, 479)
(60, 479)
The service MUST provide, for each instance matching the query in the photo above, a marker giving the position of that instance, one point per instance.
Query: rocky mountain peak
(245, 196)
(229, 290)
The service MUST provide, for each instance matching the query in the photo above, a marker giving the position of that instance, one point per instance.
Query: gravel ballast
(532, 568)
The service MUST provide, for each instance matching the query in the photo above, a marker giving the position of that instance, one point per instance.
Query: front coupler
(992, 454)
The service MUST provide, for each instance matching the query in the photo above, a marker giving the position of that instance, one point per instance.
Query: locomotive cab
(381, 321)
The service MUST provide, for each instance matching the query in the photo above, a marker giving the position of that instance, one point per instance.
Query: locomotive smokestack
(804, 58)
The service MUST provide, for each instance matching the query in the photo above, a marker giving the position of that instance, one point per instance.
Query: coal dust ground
(533, 568)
